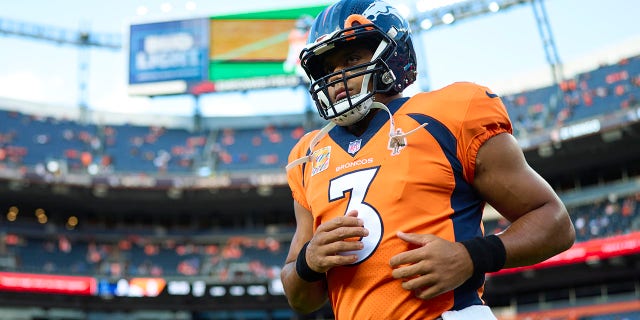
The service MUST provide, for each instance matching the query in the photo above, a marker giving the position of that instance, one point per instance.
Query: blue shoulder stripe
(466, 204)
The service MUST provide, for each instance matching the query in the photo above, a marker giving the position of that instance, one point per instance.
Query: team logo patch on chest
(397, 142)
(320, 160)
(354, 146)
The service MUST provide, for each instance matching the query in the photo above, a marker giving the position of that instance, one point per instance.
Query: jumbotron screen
(220, 53)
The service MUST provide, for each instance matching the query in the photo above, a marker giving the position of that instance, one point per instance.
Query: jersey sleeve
(295, 176)
(486, 117)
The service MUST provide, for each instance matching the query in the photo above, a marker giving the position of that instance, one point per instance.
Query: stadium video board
(220, 53)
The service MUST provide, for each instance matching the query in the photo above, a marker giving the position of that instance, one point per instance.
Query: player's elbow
(303, 297)
(564, 232)
(303, 307)
(570, 233)
(305, 302)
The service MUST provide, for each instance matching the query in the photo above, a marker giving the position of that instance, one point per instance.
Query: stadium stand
(255, 149)
(152, 149)
(32, 141)
(602, 90)
(588, 94)
(113, 252)
(603, 218)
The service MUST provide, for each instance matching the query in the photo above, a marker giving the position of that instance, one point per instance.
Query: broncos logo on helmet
(377, 8)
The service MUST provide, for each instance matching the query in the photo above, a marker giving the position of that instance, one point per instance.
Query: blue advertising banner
(173, 51)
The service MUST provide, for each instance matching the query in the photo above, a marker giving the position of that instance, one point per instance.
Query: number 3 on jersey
(357, 183)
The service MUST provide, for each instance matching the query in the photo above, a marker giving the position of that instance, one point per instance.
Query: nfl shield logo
(354, 146)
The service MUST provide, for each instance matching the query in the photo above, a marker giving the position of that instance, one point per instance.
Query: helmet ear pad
(403, 64)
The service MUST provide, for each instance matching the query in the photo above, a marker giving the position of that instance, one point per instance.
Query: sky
(502, 51)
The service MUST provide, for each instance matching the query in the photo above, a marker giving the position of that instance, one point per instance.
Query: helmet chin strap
(314, 141)
(396, 137)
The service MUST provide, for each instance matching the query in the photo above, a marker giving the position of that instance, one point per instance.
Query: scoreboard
(219, 53)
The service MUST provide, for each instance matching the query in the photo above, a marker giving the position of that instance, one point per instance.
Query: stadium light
(53, 166)
(41, 216)
(12, 214)
(435, 10)
(448, 18)
(204, 171)
(426, 24)
(93, 169)
(494, 7)
(72, 223)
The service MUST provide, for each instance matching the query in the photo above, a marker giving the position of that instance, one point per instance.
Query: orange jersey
(422, 187)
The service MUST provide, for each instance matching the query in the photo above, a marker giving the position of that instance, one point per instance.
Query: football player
(389, 195)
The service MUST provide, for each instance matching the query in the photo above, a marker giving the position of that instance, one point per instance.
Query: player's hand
(434, 267)
(333, 237)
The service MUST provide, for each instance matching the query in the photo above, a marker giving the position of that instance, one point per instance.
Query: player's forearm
(538, 235)
(304, 297)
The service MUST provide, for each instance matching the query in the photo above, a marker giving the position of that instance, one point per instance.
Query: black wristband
(304, 271)
(487, 254)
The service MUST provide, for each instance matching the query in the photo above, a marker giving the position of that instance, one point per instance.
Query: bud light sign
(169, 51)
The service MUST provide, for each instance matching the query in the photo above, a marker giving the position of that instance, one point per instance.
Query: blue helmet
(375, 24)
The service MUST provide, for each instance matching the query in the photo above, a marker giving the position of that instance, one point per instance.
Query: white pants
(475, 312)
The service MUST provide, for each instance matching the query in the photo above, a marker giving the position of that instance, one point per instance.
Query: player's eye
(353, 59)
(329, 68)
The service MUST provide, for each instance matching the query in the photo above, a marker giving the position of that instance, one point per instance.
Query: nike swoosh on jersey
(491, 95)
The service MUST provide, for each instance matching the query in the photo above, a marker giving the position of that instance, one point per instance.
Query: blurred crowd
(234, 257)
(607, 217)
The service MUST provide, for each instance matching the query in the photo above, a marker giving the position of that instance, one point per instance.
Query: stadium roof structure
(57, 35)
(428, 15)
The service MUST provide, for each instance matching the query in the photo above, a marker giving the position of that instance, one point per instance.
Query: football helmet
(391, 69)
